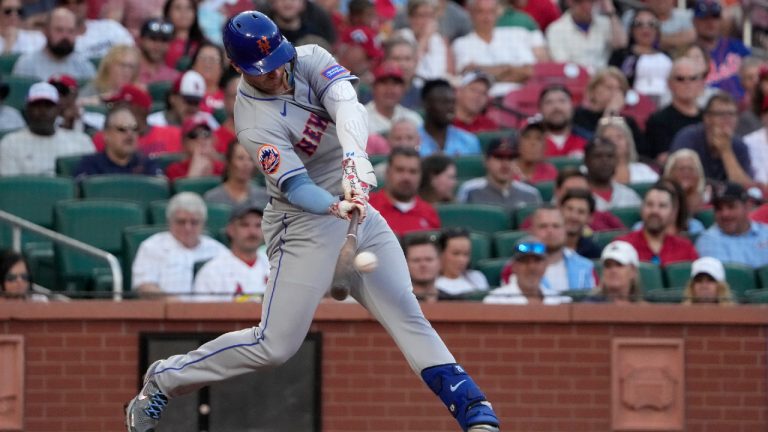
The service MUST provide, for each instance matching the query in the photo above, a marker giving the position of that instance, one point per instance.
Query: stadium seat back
(504, 242)
(474, 217)
(198, 185)
(138, 188)
(491, 268)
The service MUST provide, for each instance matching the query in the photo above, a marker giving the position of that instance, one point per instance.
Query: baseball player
(297, 113)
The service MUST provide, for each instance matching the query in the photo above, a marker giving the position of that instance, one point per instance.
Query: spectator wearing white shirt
(96, 36)
(757, 144)
(434, 57)
(456, 279)
(34, 149)
(58, 56)
(13, 37)
(583, 36)
(164, 264)
(505, 53)
(240, 273)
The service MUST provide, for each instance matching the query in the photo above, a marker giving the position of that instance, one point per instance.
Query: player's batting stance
(297, 113)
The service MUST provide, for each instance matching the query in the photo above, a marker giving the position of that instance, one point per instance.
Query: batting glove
(358, 177)
(343, 209)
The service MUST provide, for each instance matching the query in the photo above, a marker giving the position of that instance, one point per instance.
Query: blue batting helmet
(254, 43)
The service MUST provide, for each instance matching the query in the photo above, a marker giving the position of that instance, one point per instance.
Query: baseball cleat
(481, 418)
(483, 428)
(144, 411)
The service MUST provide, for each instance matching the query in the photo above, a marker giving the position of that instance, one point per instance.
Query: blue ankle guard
(460, 394)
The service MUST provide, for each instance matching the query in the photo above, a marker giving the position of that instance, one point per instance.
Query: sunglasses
(195, 134)
(159, 30)
(690, 78)
(11, 11)
(126, 129)
(12, 277)
(531, 248)
(648, 24)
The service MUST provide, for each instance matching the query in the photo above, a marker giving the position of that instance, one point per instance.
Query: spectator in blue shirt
(734, 238)
(724, 156)
(438, 134)
(120, 154)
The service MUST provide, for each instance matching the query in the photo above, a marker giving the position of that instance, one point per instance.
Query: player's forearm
(350, 116)
(302, 192)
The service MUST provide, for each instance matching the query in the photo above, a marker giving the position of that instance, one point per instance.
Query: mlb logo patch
(334, 71)
(269, 158)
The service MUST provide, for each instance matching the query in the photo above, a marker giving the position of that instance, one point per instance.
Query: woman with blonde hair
(119, 67)
(684, 167)
(707, 283)
(628, 169)
(620, 281)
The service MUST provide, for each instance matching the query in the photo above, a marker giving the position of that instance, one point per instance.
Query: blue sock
(460, 394)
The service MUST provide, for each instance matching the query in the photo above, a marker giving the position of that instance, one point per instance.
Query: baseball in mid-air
(366, 262)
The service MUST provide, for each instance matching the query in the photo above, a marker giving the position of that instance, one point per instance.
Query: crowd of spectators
(660, 109)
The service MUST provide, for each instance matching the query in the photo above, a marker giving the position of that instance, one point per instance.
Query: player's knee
(280, 354)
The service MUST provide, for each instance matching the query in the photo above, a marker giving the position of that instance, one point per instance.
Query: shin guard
(460, 394)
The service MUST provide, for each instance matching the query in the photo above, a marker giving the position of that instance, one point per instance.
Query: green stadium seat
(491, 268)
(19, 87)
(707, 217)
(377, 159)
(95, 61)
(546, 189)
(521, 214)
(504, 242)
(759, 296)
(475, 217)
(165, 159)
(602, 238)
(762, 276)
(674, 295)
(628, 215)
(481, 247)
(6, 63)
(132, 238)
(138, 188)
(198, 185)
(562, 162)
(99, 223)
(486, 137)
(741, 278)
(66, 165)
(32, 198)
(468, 167)
(641, 188)
(650, 276)
(158, 90)
(677, 274)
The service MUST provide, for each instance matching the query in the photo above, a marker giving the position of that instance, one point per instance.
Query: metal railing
(17, 224)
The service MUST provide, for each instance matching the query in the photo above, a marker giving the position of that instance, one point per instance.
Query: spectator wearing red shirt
(760, 214)
(153, 140)
(209, 63)
(543, 12)
(652, 241)
(471, 101)
(529, 165)
(398, 202)
(556, 108)
(201, 159)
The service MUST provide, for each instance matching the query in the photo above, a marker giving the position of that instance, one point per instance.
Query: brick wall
(544, 368)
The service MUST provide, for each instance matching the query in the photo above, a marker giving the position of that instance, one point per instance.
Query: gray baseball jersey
(288, 135)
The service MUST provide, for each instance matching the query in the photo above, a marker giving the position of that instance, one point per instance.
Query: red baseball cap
(367, 38)
(194, 122)
(63, 80)
(388, 70)
(133, 95)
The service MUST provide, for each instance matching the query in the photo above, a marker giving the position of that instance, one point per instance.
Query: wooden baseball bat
(345, 275)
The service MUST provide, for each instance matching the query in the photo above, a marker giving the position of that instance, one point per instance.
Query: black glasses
(126, 129)
(157, 29)
(649, 24)
(10, 11)
(690, 78)
(12, 277)
(202, 133)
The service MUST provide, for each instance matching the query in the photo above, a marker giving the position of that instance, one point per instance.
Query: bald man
(58, 56)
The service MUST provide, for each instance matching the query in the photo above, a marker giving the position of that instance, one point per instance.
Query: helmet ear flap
(254, 44)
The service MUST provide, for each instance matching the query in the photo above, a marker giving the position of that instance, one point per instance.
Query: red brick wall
(544, 368)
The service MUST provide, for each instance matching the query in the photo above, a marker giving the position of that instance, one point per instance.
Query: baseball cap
(728, 193)
(243, 209)
(472, 76)
(707, 8)
(502, 147)
(708, 265)
(133, 95)
(367, 38)
(193, 122)
(64, 84)
(621, 252)
(43, 91)
(529, 245)
(190, 85)
(388, 70)
(156, 28)
(533, 123)
(755, 195)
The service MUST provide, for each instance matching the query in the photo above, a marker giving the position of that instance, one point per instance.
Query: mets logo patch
(269, 158)
(334, 71)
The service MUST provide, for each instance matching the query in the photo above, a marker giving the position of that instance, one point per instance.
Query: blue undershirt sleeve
(302, 192)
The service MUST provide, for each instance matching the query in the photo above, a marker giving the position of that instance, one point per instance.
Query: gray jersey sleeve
(316, 72)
